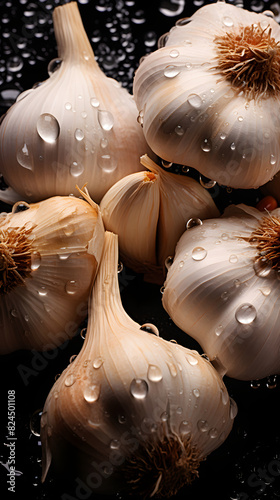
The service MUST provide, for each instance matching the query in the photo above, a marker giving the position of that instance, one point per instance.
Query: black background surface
(121, 32)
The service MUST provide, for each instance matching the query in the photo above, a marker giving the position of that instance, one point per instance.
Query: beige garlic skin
(49, 259)
(133, 411)
(223, 290)
(209, 97)
(149, 211)
(77, 126)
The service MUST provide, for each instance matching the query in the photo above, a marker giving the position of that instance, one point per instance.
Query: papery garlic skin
(193, 115)
(223, 291)
(77, 126)
(149, 212)
(129, 393)
(56, 245)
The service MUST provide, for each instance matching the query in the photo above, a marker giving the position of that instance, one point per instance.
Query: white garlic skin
(77, 126)
(47, 307)
(217, 293)
(125, 389)
(193, 116)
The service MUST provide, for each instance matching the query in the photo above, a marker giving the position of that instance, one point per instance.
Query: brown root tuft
(266, 238)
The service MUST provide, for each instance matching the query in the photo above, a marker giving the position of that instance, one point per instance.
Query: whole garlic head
(209, 97)
(223, 289)
(77, 126)
(49, 255)
(133, 411)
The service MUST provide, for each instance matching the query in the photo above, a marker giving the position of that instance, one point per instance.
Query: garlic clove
(50, 254)
(149, 212)
(82, 126)
(131, 403)
(187, 85)
(223, 287)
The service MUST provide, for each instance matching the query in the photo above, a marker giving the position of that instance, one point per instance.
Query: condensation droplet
(164, 416)
(54, 65)
(35, 261)
(199, 253)
(68, 106)
(233, 259)
(106, 120)
(97, 362)
(232, 146)
(171, 71)
(107, 163)
(13, 313)
(72, 287)
(70, 380)
(48, 128)
(233, 409)
(206, 183)
(224, 396)
(196, 393)
(172, 368)
(179, 130)
(42, 291)
(154, 373)
(168, 262)
(192, 360)
(34, 422)
(94, 102)
(213, 433)
(150, 328)
(202, 425)
(262, 268)
(79, 134)
(194, 100)
(185, 427)
(139, 388)
(272, 160)
(115, 444)
(206, 146)
(227, 21)
(91, 393)
(219, 329)
(246, 314)
(193, 222)
(23, 157)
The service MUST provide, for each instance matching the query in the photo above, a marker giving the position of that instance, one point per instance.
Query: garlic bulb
(223, 289)
(49, 258)
(132, 411)
(209, 96)
(78, 125)
(149, 212)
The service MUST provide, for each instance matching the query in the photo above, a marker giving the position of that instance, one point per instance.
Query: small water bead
(185, 428)
(139, 388)
(154, 373)
(227, 21)
(34, 422)
(206, 183)
(194, 100)
(48, 128)
(232, 146)
(266, 291)
(24, 158)
(224, 396)
(13, 313)
(271, 382)
(92, 393)
(192, 360)
(42, 291)
(54, 65)
(240, 118)
(179, 130)
(166, 164)
(193, 222)
(35, 261)
(213, 433)
(262, 268)
(83, 333)
(180, 265)
(71, 287)
(255, 384)
(97, 362)
(246, 314)
(174, 53)
(233, 408)
(223, 136)
(107, 163)
(272, 160)
(199, 253)
(105, 119)
(70, 380)
(94, 102)
(122, 419)
(196, 393)
(202, 425)
(233, 259)
(115, 444)
(164, 416)
(76, 169)
(171, 71)
(168, 262)
(206, 146)
(172, 368)
(150, 328)
(219, 329)
(79, 134)
(72, 358)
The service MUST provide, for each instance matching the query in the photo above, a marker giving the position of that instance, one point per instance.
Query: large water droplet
(199, 253)
(106, 120)
(70, 380)
(91, 393)
(246, 314)
(192, 360)
(206, 146)
(202, 425)
(97, 362)
(193, 222)
(206, 182)
(35, 261)
(154, 373)
(72, 287)
(76, 169)
(79, 134)
(262, 268)
(194, 100)
(54, 65)
(24, 158)
(94, 102)
(171, 71)
(107, 163)
(150, 328)
(48, 128)
(139, 388)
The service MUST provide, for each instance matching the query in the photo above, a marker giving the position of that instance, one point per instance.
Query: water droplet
(42, 291)
(115, 444)
(227, 21)
(262, 268)
(164, 416)
(202, 425)
(35, 261)
(219, 329)
(154, 373)
(168, 262)
(166, 164)
(48, 128)
(76, 169)
(206, 183)
(54, 65)
(70, 380)
(233, 259)
(34, 422)
(94, 102)
(13, 313)
(266, 291)
(192, 360)
(139, 388)
(206, 146)
(72, 287)
(150, 328)
(179, 130)
(213, 433)
(255, 384)
(91, 393)
(233, 409)
(181, 264)
(194, 100)
(196, 393)
(24, 158)
(223, 136)
(193, 222)
(79, 134)
(224, 396)
(106, 120)
(232, 146)
(72, 358)
(246, 314)
(107, 163)
(172, 368)
(272, 160)
(68, 106)
(97, 362)
(240, 118)
(122, 419)
(271, 382)
(199, 253)
(171, 71)
(185, 428)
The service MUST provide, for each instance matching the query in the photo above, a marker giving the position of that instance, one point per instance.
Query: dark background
(121, 32)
